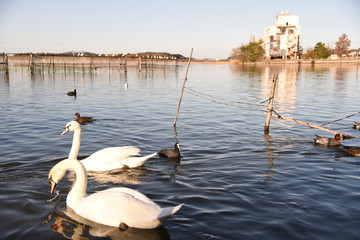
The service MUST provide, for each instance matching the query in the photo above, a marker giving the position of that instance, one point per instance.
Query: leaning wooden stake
(182, 90)
(314, 126)
(270, 105)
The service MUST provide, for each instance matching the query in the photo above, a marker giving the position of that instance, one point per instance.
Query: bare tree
(235, 53)
(342, 45)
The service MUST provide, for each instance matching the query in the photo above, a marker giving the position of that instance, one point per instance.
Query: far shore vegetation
(252, 52)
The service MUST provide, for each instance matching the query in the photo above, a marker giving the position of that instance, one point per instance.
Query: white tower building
(283, 39)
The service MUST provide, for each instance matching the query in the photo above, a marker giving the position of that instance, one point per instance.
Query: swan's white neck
(75, 147)
(78, 191)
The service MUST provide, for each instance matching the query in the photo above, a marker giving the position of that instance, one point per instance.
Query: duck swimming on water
(83, 119)
(335, 141)
(356, 125)
(73, 93)
(171, 153)
(355, 151)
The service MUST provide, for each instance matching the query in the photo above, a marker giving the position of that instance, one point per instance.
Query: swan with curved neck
(108, 158)
(117, 207)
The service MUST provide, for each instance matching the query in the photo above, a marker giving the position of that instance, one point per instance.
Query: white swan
(117, 207)
(108, 158)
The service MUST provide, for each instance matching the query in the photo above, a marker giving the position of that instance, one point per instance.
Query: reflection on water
(72, 226)
(128, 176)
(269, 187)
(270, 156)
(286, 86)
(340, 74)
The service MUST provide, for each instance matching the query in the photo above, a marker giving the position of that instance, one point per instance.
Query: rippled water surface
(236, 182)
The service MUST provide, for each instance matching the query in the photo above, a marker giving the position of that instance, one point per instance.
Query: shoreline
(284, 62)
(27, 60)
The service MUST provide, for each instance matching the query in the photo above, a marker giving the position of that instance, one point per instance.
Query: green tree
(321, 51)
(250, 52)
(342, 45)
(309, 54)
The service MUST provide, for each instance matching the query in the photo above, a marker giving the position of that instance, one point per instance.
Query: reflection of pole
(270, 105)
(182, 90)
(270, 155)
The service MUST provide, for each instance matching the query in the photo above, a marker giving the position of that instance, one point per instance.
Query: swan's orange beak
(52, 185)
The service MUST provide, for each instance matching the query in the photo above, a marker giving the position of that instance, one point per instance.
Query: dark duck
(171, 153)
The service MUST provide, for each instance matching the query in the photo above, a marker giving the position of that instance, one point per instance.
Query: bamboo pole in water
(313, 126)
(139, 64)
(270, 105)
(53, 64)
(125, 64)
(30, 62)
(6, 66)
(182, 90)
(5, 59)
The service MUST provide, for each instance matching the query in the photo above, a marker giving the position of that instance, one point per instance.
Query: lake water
(236, 182)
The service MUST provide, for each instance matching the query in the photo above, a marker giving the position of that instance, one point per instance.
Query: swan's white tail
(168, 212)
(133, 162)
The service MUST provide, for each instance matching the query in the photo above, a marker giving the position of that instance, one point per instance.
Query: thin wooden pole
(270, 105)
(313, 126)
(182, 90)
(125, 64)
(30, 62)
(5, 59)
(53, 63)
(6, 65)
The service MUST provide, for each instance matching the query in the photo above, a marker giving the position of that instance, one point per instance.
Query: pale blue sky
(211, 27)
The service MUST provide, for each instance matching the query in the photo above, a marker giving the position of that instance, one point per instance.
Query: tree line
(254, 51)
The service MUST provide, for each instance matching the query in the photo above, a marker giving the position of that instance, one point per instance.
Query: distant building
(283, 39)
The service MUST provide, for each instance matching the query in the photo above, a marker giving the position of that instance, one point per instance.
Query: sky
(211, 27)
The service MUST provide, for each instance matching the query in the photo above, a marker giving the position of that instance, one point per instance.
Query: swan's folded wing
(134, 193)
(112, 207)
(133, 162)
(104, 159)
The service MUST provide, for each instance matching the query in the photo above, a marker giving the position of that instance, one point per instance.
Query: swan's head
(71, 126)
(56, 174)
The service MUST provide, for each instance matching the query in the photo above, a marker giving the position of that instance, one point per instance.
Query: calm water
(235, 182)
